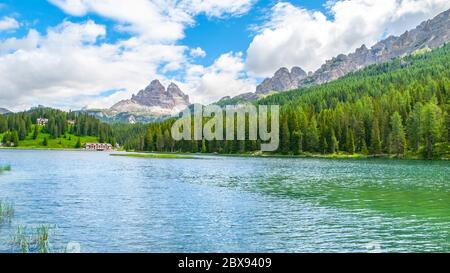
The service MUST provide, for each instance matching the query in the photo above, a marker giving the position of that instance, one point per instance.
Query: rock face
(428, 35)
(282, 80)
(4, 111)
(155, 100)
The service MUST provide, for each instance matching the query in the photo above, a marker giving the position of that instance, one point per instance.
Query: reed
(32, 240)
(5, 168)
(6, 211)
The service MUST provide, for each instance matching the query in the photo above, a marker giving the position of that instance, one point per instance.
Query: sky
(71, 54)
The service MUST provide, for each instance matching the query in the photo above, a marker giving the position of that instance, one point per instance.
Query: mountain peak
(4, 111)
(155, 99)
(429, 34)
(155, 86)
(173, 88)
(282, 80)
(282, 71)
(297, 72)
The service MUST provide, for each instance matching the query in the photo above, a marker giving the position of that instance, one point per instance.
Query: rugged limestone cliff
(155, 99)
(428, 35)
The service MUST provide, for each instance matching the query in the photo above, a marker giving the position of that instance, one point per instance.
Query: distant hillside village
(46, 127)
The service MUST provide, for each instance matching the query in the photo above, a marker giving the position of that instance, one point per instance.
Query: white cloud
(218, 8)
(297, 36)
(225, 77)
(146, 18)
(8, 23)
(197, 52)
(156, 20)
(70, 67)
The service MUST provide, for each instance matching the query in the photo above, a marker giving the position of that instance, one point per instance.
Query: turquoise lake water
(228, 204)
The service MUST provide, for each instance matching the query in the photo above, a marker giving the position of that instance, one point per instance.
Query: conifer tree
(36, 132)
(351, 142)
(334, 144)
(397, 136)
(297, 143)
(431, 127)
(77, 145)
(284, 136)
(313, 136)
(15, 138)
(375, 138)
(413, 127)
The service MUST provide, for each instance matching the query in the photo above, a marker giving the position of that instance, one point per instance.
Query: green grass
(158, 156)
(32, 240)
(68, 142)
(5, 168)
(6, 211)
(303, 155)
(25, 239)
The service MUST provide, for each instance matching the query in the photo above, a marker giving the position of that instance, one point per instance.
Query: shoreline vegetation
(5, 168)
(272, 155)
(6, 211)
(155, 156)
(25, 239)
(184, 155)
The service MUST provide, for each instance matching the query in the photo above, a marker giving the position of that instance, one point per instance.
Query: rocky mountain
(153, 103)
(282, 80)
(155, 99)
(428, 35)
(4, 111)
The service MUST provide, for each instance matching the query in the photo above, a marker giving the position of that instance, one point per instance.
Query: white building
(42, 121)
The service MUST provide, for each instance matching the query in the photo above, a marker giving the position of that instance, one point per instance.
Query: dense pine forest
(18, 127)
(399, 108)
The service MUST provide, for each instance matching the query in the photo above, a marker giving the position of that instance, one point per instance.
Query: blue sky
(218, 36)
(214, 35)
(76, 53)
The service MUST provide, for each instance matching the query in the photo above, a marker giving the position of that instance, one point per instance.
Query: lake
(228, 204)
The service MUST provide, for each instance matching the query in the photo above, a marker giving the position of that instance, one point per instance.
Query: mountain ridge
(428, 35)
(4, 111)
(154, 99)
(153, 103)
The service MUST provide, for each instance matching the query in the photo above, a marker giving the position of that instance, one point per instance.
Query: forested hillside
(398, 108)
(65, 130)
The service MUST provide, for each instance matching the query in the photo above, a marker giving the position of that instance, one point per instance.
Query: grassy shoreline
(40, 149)
(155, 155)
(272, 155)
(176, 155)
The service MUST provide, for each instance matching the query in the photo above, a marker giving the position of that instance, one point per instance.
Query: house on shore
(71, 122)
(98, 147)
(42, 121)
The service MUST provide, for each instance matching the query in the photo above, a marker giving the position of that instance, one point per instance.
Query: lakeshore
(243, 155)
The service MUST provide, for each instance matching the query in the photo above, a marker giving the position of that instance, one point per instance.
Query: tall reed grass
(5, 168)
(6, 211)
(32, 240)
